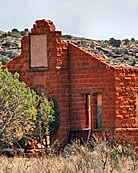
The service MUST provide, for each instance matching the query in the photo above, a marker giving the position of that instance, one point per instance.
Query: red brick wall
(73, 72)
(126, 84)
(54, 79)
(88, 74)
(130, 134)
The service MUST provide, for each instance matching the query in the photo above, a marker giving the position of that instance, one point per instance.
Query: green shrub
(4, 59)
(126, 57)
(126, 41)
(132, 39)
(14, 30)
(114, 42)
(7, 44)
(47, 119)
(16, 34)
(118, 50)
(4, 35)
(17, 110)
(26, 30)
(22, 33)
(67, 37)
(133, 62)
(23, 113)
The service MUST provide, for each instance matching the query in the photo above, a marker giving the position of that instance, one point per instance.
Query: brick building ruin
(91, 93)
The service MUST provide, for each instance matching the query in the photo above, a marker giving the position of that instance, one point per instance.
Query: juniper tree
(17, 108)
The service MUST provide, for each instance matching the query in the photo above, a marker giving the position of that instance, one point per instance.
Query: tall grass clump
(98, 156)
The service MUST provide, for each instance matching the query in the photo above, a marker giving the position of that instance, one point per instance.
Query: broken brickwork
(126, 92)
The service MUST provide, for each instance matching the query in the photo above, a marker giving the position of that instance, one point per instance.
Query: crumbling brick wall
(54, 78)
(126, 84)
(73, 73)
(126, 90)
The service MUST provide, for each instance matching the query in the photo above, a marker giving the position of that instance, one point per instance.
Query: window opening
(38, 50)
(88, 110)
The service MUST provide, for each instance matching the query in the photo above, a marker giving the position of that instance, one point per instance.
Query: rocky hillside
(10, 44)
(115, 52)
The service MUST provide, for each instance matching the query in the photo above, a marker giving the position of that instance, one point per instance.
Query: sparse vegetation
(10, 44)
(96, 157)
(112, 51)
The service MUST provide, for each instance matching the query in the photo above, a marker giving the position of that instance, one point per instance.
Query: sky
(94, 19)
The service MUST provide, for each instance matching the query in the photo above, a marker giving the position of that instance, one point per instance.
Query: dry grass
(74, 159)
